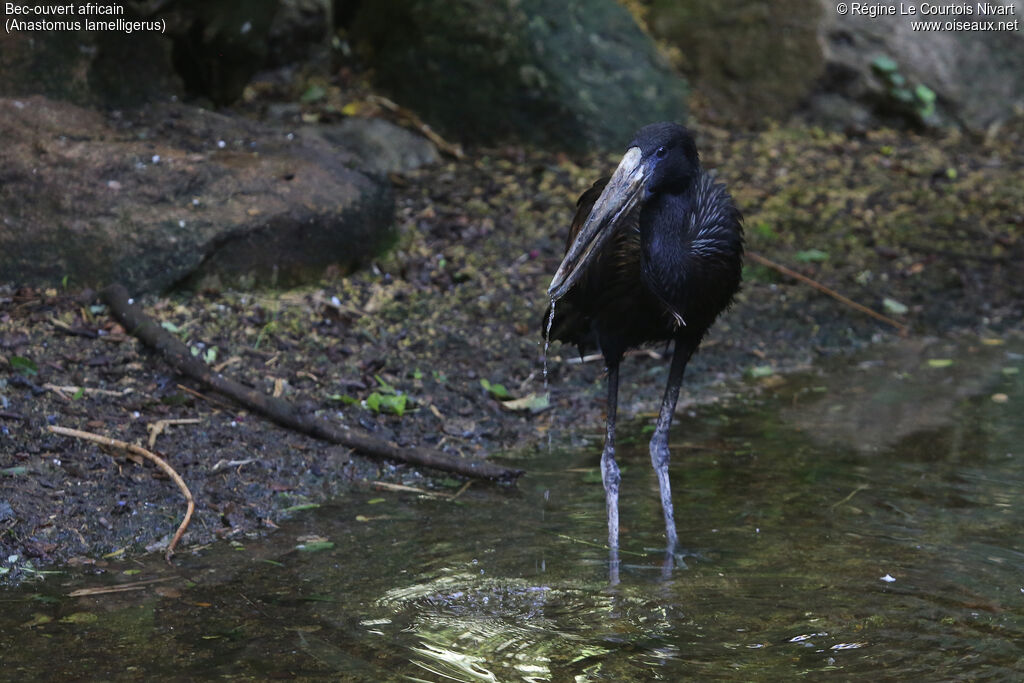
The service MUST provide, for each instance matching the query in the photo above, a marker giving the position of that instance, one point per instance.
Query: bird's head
(669, 157)
(662, 158)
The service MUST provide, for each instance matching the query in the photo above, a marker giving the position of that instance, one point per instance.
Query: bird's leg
(659, 442)
(610, 472)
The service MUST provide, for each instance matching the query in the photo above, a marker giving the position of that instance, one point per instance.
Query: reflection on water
(863, 519)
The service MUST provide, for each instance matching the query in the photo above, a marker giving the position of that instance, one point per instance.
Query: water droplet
(547, 342)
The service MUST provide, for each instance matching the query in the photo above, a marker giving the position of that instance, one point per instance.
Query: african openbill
(654, 254)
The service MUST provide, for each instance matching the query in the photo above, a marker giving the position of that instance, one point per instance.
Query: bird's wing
(584, 205)
(715, 218)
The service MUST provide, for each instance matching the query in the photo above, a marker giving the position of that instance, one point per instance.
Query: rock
(218, 46)
(382, 147)
(750, 60)
(173, 194)
(87, 67)
(205, 49)
(564, 74)
(300, 33)
(977, 76)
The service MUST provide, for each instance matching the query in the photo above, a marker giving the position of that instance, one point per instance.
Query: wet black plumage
(677, 255)
(654, 254)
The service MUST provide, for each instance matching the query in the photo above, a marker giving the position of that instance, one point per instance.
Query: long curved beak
(620, 197)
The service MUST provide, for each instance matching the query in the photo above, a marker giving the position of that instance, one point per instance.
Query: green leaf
(395, 404)
(16, 471)
(903, 95)
(343, 398)
(80, 618)
(925, 94)
(387, 403)
(759, 371)
(78, 394)
(940, 362)
(170, 327)
(498, 391)
(534, 403)
(384, 386)
(884, 65)
(301, 507)
(811, 255)
(25, 365)
(314, 93)
(315, 546)
(893, 306)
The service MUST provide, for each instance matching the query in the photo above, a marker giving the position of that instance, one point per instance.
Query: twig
(157, 460)
(402, 488)
(203, 397)
(427, 132)
(223, 464)
(788, 272)
(157, 428)
(86, 390)
(852, 493)
(461, 490)
(591, 357)
(120, 588)
(280, 411)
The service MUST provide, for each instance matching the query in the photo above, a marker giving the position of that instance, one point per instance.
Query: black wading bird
(654, 255)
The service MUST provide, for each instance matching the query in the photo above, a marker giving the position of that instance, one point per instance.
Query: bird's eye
(661, 152)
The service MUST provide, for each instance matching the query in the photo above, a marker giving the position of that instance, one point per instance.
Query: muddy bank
(927, 230)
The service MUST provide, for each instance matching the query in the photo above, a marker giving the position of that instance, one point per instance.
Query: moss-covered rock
(174, 193)
(749, 60)
(566, 74)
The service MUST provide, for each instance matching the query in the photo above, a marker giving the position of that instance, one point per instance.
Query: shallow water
(863, 519)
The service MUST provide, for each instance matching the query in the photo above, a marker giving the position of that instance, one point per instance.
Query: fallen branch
(157, 460)
(280, 411)
(788, 272)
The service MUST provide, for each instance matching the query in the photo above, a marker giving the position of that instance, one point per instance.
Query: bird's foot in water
(614, 564)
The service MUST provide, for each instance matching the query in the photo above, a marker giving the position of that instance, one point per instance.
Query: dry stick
(427, 132)
(754, 256)
(120, 588)
(157, 428)
(157, 460)
(280, 411)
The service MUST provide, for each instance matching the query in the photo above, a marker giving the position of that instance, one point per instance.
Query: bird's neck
(667, 216)
(664, 248)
